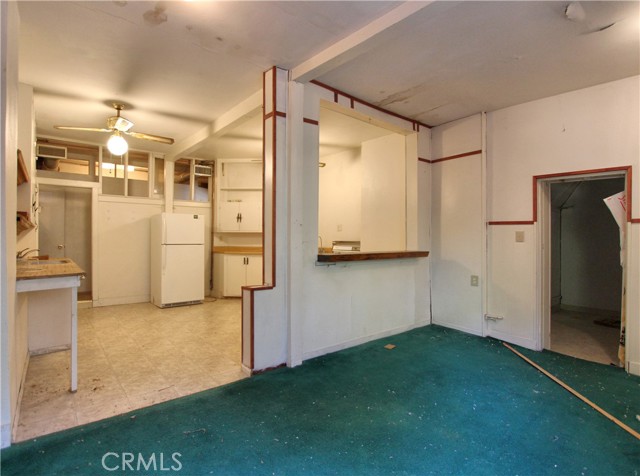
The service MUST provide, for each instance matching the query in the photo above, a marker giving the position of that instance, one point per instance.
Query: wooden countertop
(364, 256)
(238, 250)
(53, 268)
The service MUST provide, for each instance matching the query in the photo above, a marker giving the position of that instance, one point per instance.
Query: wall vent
(51, 151)
(202, 170)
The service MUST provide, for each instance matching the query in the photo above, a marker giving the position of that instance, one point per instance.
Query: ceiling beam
(354, 44)
(229, 120)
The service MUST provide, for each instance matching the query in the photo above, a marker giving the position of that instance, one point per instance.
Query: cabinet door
(241, 173)
(240, 211)
(228, 210)
(251, 212)
(234, 275)
(254, 270)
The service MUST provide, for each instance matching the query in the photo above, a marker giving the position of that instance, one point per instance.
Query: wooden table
(60, 273)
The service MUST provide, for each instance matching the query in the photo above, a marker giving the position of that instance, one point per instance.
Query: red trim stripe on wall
(628, 170)
(353, 100)
(457, 156)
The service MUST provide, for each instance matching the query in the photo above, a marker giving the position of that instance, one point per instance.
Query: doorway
(585, 271)
(65, 228)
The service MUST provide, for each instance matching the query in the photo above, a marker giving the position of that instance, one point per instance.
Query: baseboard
(633, 368)
(50, 350)
(5, 435)
(121, 300)
(362, 340)
(521, 341)
(466, 330)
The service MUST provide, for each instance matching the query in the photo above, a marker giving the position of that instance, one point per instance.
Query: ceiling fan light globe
(117, 145)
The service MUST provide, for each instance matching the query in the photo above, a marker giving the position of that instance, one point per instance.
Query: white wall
(28, 238)
(270, 313)
(11, 345)
(123, 248)
(457, 226)
(587, 129)
(339, 208)
(384, 194)
(327, 308)
(340, 306)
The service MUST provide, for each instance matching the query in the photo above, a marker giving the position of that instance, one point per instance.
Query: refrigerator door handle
(164, 258)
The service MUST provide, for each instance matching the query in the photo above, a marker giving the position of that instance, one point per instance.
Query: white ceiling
(180, 65)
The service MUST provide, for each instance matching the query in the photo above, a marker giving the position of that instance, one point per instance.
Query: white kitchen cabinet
(239, 195)
(241, 270)
(240, 212)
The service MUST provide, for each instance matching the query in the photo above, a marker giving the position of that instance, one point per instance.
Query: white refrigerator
(177, 259)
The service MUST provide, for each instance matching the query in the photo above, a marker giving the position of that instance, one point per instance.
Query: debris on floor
(608, 322)
(389, 346)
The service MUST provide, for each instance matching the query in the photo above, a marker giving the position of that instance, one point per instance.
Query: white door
(51, 223)
(183, 228)
(182, 273)
(64, 228)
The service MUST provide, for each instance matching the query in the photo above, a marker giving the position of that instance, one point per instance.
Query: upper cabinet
(239, 195)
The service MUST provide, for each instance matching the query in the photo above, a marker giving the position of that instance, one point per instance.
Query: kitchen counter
(60, 276)
(47, 268)
(238, 250)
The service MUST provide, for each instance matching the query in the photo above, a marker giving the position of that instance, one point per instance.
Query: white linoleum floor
(576, 334)
(129, 357)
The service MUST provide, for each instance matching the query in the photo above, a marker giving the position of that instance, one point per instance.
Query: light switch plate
(519, 236)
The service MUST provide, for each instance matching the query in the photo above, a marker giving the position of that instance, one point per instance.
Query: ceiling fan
(118, 125)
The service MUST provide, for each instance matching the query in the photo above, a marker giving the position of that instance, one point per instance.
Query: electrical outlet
(339, 227)
(474, 280)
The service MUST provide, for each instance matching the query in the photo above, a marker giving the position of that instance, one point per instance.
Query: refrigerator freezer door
(182, 271)
(182, 229)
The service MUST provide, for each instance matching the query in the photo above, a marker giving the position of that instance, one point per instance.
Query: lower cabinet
(241, 270)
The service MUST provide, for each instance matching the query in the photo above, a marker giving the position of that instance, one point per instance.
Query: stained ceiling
(178, 66)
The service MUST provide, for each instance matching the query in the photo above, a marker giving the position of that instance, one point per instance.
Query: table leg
(74, 339)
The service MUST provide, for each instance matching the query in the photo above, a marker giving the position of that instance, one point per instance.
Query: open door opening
(584, 269)
(65, 229)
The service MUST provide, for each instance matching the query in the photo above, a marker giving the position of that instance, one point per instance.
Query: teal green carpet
(441, 402)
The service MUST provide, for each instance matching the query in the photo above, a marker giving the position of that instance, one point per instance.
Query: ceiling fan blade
(142, 135)
(74, 128)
